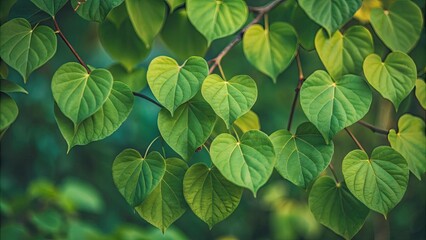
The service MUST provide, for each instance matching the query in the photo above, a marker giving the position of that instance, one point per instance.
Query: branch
(374, 128)
(147, 98)
(355, 139)
(297, 90)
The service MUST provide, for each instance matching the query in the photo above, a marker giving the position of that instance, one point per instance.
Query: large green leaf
(248, 162)
(331, 105)
(95, 10)
(172, 84)
(134, 79)
(136, 176)
(230, 99)
(148, 17)
(24, 48)
(188, 128)
(398, 26)
(334, 206)
(344, 53)
(217, 18)
(210, 196)
(166, 203)
(394, 78)
(301, 157)
(173, 4)
(331, 14)
(410, 142)
(7, 86)
(380, 181)
(51, 7)
(271, 50)
(421, 92)
(8, 111)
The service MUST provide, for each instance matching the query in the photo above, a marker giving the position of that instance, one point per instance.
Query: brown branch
(297, 91)
(373, 128)
(355, 139)
(147, 98)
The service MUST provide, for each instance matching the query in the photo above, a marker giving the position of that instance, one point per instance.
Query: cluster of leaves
(201, 108)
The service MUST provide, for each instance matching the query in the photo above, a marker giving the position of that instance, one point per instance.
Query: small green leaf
(398, 26)
(136, 176)
(421, 92)
(270, 50)
(230, 99)
(331, 105)
(134, 79)
(394, 78)
(7, 86)
(301, 157)
(4, 70)
(247, 122)
(51, 7)
(217, 19)
(380, 181)
(344, 53)
(305, 28)
(248, 162)
(49, 221)
(95, 10)
(172, 84)
(166, 203)
(8, 111)
(26, 9)
(24, 48)
(80, 94)
(410, 142)
(6, 5)
(336, 208)
(210, 196)
(173, 4)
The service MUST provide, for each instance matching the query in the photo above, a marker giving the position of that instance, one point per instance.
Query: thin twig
(355, 139)
(297, 90)
(331, 167)
(147, 98)
(373, 128)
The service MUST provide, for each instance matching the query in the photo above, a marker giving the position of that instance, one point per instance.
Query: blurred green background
(48, 194)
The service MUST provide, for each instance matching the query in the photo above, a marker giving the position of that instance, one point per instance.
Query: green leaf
(230, 99)
(134, 79)
(247, 122)
(51, 7)
(136, 176)
(26, 9)
(336, 208)
(301, 157)
(270, 50)
(175, 35)
(394, 78)
(49, 221)
(173, 4)
(217, 19)
(7, 86)
(410, 142)
(24, 48)
(248, 162)
(344, 53)
(210, 196)
(331, 105)
(172, 84)
(95, 10)
(166, 203)
(148, 17)
(399, 26)
(80, 94)
(8, 111)
(189, 128)
(421, 92)
(331, 14)
(82, 196)
(380, 181)
(305, 28)
(6, 5)
(4, 70)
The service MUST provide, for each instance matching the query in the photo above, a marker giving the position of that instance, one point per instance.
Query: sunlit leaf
(247, 122)
(421, 92)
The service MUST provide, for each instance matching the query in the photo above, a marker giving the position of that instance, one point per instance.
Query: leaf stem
(149, 146)
(374, 128)
(355, 139)
(236, 134)
(221, 71)
(297, 90)
(147, 98)
(331, 167)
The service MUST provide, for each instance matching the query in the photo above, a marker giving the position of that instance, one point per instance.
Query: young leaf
(134, 79)
(172, 84)
(217, 19)
(136, 176)
(336, 208)
(331, 105)
(363, 14)
(210, 196)
(51, 7)
(166, 202)
(247, 122)
(394, 78)
(173, 4)
(24, 48)
(301, 157)
(248, 162)
(7, 86)
(230, 99)
(270, 50)
(8, 111)
(80, 94)
(95, 10)
(380, 181)
(421, 92)
(410, 142)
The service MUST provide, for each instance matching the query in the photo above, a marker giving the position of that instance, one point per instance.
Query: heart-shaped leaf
(410, 142)
(247, 122)
(336, 208)
(172, 84)
(51, 7)
(398, 26)
(301, 157)
(230, 99)
(217, 19)
(248, 162)
(331, 14)
(189, 128)
(270, 50)
(210, 196)
(95, 10)
(173, 4)
(331, 105)
(80, 94)
(421, 92)
(344, 53)
(394, 78)
(24, 48)
(380, 181)
(134, 79)
(166, 203)
(136, 176)
(7, 86)
(8, 111)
